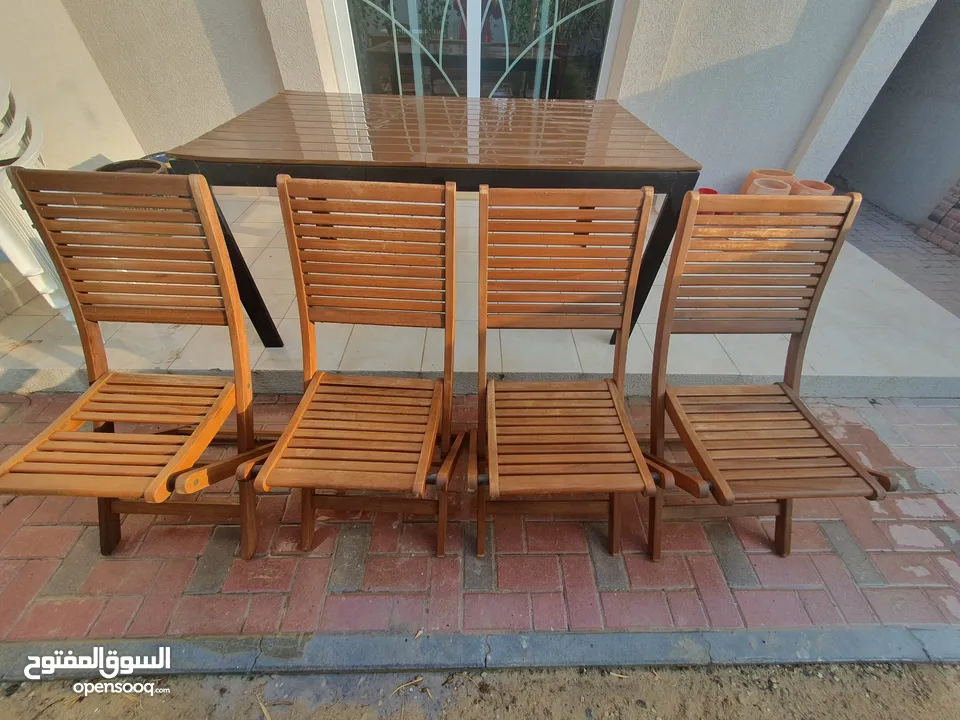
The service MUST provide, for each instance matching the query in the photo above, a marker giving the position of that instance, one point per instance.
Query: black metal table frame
(671, 183)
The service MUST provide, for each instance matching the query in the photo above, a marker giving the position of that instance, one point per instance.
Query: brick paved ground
(893, 243)
(855, 562)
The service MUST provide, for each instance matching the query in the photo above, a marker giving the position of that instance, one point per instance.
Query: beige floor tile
(260, 235)
(756, 354)
(263, 210)
(877, 351)
(278, 301)
(273, 264)
(209, 349)
(531, 351)
(16, 297)
(234, 207)
(467, 301)
(331, 341)
(38, 305)
(465, 355)
(694, 354)
(467, 267)
(230, 191)
(596, 353)
(56, 344)
(250, 255)
(139, 346)
(15, 329)
(9, 276)
(384, 348)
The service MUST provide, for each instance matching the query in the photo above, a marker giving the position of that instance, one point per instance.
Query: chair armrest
(197, 478)
(450, 461)
(890, 484)
(245, 471)
(472, 461)
(695, 486)
(665, 474)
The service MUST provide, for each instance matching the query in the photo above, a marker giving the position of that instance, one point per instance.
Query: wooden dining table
(501, 142)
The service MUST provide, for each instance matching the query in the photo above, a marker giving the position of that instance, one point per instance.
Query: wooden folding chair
(369, 254)
(751, 264)
(564, 259)
(138, 249)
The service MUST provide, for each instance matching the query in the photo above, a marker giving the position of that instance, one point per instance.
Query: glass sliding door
(540, 49)
(410, 47)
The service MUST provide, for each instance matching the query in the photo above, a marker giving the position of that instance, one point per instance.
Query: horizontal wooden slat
(418, 209)
(96, 200)
(375, 317)
(141, 299)
(379, 220)
(128, 228)
(552, 484)
(555, 322)
(380, 281)
(137, 214)
(371, 246)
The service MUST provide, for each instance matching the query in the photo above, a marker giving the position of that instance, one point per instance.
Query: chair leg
(783, 528)
(307, 518)
(441, 522)
(655, 526)
(481, 520)
(248, 519)
(109, 526)
(615, 522)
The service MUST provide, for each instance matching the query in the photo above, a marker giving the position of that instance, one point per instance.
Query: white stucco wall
(53, 74)
(906, 153)
(298, 32)
(178, 68)
(736, 84)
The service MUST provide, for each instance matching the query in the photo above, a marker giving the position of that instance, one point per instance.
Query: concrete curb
(465, 383)
(394, 653)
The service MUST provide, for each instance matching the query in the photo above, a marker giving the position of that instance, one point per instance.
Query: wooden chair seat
(760, 443)
(359, 434)
(562, 437)
(65, 460)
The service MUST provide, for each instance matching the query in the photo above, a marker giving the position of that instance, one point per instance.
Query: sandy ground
(869, 692)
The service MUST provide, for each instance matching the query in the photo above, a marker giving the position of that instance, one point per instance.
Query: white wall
(735, 85)
(179, 68)
(906, 153)
(52, 72)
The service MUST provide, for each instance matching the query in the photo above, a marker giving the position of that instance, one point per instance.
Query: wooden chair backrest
(139, 249)
(564, 259)
(372, 253)
(750, 264)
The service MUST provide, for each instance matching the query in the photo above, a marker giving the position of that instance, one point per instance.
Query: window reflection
(528, 48)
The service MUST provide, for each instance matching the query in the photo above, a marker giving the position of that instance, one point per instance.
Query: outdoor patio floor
(855, 563)
(874, 335)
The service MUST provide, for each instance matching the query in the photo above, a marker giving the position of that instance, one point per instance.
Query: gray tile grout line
(390, 653)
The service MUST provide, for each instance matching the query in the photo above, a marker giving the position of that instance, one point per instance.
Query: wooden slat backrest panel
(139, 248)
(132, 246)
(370, 253)
(753, 263)
(748, 264)
(559, 259)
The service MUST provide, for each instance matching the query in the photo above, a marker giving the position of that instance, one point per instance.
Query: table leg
(658, 245)
(247, 288)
